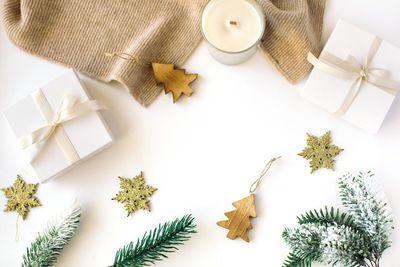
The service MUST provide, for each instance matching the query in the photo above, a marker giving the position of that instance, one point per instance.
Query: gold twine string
(257, 182)
(127, 56)
(16, 230)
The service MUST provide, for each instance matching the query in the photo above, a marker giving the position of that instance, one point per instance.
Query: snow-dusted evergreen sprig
(329, 244)
(353, 239)
(343, 246)
(48, 244)
(305, 243)
(369, 207)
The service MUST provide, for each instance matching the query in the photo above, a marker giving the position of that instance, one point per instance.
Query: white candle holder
(220, 53)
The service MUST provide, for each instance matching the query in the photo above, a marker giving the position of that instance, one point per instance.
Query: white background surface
(202, 154)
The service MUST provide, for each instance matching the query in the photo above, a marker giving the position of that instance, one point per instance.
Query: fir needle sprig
(355, 239)
(155, 243)
(48, 245)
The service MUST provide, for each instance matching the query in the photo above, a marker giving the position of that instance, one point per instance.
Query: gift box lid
(371, 104)
(88, 133)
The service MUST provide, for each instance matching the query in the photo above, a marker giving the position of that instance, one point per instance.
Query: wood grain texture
(174, 80)
(239, 219)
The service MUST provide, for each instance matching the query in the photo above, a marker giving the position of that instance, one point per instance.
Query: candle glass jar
(227, 56)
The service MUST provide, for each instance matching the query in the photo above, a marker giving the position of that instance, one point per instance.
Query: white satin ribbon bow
(350, 69)
(68, 109)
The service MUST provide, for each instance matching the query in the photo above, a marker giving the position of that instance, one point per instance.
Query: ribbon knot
(349, 68)
(68, 109)
(54, 123)
(363, 71)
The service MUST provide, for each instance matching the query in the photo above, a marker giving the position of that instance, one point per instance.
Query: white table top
(202, 153)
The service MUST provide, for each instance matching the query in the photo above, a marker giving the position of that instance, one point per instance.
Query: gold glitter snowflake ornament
(320, 152)
(21, 197)
(134, 194)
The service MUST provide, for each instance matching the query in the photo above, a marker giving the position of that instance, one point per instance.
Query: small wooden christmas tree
(239, 219)
(174, 80)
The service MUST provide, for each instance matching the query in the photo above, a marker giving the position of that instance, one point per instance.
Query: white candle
(233, 29)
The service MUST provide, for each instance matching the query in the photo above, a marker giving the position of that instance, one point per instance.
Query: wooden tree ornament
(239, 219)
(174, 80)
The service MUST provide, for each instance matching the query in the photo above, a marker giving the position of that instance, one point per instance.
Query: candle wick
(232, 22)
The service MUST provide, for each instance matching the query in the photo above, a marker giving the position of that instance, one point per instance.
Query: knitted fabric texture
(293, 28)
(78, 33)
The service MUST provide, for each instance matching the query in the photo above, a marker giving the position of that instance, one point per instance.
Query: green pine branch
(296, 261)
(328, 217)
(48, 245)
(155, 243)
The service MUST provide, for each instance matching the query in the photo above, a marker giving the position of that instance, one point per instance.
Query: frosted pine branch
(353, 239)
(343, 246)
(305, 242)
(48, 244)
(369, 207)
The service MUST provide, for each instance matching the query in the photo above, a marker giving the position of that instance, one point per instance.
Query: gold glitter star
(134, 194)
(320, 152)
(20, 197)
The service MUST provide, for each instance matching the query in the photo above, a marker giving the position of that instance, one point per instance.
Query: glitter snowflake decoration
(320, 152)
(21, 197)
(134, 194)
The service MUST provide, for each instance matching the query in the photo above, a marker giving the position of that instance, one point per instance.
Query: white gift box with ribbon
(355, 77)
(58, 126)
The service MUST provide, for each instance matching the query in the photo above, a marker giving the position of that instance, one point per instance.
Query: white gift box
(371, 103)
(85, 135)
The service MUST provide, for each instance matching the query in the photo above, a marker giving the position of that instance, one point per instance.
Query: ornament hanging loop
(16, 230)
(130, 57)
(257, 182)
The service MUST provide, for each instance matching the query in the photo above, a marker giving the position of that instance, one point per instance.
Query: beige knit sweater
(78, 33)
(293, 28)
